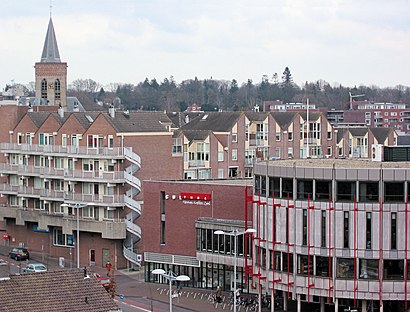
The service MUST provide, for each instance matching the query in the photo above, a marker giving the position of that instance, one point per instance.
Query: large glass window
(346, 190)
(369, 269)
(304, 227)
(305, 189)
(288, 262)
(61, 239)
(263, 186)
(287, 188)
(368, 191)
(274, 186)
(323, 229)
(275, 260)
(393, 269)
(257, 186)
(323, 190)
(393, 191)
(322, 266)
(344, 268)
(305, 264)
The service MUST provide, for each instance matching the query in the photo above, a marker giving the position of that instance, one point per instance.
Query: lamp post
(77, 206)
(171, 276)
(235, 234)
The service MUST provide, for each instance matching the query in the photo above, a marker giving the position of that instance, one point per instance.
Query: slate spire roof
(50, 50)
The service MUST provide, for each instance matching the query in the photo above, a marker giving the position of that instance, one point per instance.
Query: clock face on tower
(51, 85)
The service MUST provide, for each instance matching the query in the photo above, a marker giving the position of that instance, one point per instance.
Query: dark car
(19, 254)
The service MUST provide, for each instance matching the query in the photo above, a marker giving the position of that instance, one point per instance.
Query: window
(346, 229)
(64, 140)
(274, 187)
(346, 191)
(329, 135)
(393, 229)
(287, 188)
(234, 154)
(277, 152)
(275, 261)
(257, 186)
(220, 173)
(88, 165)
(304, 226)
(45, 139)
(58, 162)
(290, 152)
(57, 89)
(111, 142)
(344, 268)
(176, 146)
(263, 186)
(322, 266)
(290, 136)
(305, 264)
(220, 155)
(368, 269)
(74, 140)
(29, 138)
(61, 239)
(393, 192)
(109, 213)
(368, 191)
(368, 230)
(44, 89)
(95, 141)
(88, 212)
(234, 137)
(277, 136)
(19, 138)
(288, 262)
(305, 189)
(323, 229)
(329, 151)
(323, 190)
(393, 269)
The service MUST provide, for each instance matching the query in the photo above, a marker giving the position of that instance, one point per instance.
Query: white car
(35, 267)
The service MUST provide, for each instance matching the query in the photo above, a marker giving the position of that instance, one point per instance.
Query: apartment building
(333, 233)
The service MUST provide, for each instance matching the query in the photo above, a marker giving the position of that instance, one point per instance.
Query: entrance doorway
(92, 257)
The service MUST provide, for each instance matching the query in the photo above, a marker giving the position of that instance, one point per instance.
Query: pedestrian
(108, 267)
(218, 294)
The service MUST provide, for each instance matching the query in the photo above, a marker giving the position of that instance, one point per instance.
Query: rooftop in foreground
(337, 163)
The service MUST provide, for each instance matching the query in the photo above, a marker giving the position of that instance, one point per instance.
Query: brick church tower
(51, 73)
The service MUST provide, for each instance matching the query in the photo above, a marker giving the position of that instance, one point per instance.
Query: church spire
(50, 50)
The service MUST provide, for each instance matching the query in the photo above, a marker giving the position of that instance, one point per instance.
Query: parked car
(19, 254)
(104, 281)
(34, 268)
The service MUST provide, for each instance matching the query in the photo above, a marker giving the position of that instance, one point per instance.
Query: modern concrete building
(333, 232)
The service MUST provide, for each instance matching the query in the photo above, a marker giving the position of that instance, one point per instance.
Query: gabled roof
(340, 134)
(55, 291)
(196, 135)
(50, 50)
(139, 121)
(358, 132)
(40, 117)
(381, 134)
(313, 116)
(214, 121)
(256, 116)
(284, 119)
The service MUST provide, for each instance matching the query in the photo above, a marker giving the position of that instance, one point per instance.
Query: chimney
(60, 111)
(111, 111)
(186, 119)
(30, 108)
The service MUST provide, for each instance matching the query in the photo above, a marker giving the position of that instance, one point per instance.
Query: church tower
(51, 73)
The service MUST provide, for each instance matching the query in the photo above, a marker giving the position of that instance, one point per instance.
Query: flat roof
(337, 163)
(238, 182)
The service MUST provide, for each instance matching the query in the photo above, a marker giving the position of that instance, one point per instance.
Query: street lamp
(171, 276)
(77, 206)
(235, 234)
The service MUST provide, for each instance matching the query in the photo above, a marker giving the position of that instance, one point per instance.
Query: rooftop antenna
(51, 7)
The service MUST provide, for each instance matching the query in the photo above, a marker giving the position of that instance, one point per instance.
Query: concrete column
(364, 305)
(299, 309)
(336, 305)
(285, 301)
(272, 300)
(322, 304)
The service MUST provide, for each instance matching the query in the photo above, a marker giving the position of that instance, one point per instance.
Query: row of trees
(213, 94)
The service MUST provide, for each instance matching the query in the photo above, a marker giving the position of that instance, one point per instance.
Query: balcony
(115, 229)
(67, 151)
(196, 163)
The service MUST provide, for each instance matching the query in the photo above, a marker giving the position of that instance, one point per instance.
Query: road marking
(131, 305)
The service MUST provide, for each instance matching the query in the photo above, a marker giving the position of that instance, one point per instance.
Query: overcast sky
(352, 42)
